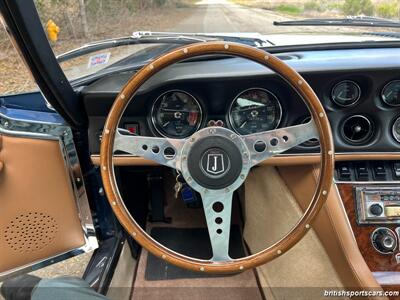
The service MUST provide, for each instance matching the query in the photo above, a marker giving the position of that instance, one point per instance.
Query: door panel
(44, 216)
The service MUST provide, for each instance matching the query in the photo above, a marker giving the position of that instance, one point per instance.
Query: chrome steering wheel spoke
(266, 144)
(218, 209)
(164, 151)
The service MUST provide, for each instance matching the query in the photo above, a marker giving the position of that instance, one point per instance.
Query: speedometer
(255, 110)
(176, 114)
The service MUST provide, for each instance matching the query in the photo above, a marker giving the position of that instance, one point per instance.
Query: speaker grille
(30, 232)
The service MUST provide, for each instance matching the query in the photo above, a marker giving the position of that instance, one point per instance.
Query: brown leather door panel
(38, 214)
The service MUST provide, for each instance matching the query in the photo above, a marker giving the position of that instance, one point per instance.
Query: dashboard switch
(379, 171)
(344, 173)
(396, 170)
(362, 172)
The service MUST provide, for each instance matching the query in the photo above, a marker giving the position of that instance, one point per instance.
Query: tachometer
(176, 114)
(391, 93)
(255, 110)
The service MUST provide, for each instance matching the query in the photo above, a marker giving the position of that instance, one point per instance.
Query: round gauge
(396, 129)
(391, 93)
(346, 93)
(176, 114)
(255, 110)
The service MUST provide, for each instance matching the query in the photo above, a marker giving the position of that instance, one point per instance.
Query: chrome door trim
(19, 123)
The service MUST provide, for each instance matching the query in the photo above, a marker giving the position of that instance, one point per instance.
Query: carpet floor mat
(193, 242)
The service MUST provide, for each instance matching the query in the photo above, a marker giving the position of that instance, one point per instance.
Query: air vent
(357, 129)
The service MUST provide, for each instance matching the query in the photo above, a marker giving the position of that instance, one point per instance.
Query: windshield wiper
(125, 41)
(253, 39)
(360, 21)
(148, 37)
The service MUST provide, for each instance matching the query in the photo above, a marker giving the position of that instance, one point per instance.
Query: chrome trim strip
(24, 127)
(368, 182)
(387, 277)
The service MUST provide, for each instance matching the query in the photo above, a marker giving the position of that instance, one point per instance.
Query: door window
(15, 78)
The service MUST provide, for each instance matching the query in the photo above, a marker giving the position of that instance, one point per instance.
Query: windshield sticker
(98, 59)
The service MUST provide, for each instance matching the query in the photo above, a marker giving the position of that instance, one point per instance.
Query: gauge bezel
(154, 121)
(249, 89)
(383, 89)
(397, 139)
(352, 103)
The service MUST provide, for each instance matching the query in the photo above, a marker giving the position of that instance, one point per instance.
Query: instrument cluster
(178, 114)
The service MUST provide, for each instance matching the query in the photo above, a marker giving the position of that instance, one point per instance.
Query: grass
(288, 9)
(311, 8)
(388, 10)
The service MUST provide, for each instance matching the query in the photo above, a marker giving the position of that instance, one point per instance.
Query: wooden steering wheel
(215, 161)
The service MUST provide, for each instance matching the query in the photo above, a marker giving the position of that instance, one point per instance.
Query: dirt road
(226, 16)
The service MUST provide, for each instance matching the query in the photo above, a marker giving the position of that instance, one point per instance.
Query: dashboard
(359, 88)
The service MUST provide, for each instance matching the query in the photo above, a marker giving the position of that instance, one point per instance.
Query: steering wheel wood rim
(294, 79)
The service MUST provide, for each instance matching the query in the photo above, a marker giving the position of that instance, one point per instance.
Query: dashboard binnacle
(178, 114)
(361, 98)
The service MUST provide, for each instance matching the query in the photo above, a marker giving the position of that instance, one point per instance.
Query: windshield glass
(71, 24)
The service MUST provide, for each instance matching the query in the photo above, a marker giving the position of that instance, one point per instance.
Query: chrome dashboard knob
(384, 240)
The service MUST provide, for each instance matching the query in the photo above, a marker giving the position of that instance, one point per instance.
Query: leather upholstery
(332, 227)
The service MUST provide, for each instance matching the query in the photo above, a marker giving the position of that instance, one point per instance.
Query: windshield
(71, 24)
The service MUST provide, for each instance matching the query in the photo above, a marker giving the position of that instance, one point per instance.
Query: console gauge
(346, 93)
(391, 93)
(396, 129)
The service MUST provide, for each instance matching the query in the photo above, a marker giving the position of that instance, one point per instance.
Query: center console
(370, 192)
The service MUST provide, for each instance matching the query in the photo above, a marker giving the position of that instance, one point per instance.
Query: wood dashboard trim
(384, 267)
(281, 160)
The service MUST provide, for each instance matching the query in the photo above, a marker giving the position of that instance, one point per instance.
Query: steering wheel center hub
(215, 163)
(217, 159)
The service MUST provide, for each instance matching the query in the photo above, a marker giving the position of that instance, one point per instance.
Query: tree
(82, 13)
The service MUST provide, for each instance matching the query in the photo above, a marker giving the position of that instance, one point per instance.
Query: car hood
(286, 39)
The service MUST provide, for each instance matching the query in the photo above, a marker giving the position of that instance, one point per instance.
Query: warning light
(133, 128)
